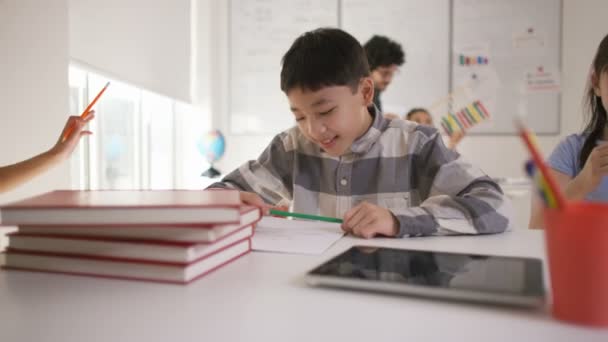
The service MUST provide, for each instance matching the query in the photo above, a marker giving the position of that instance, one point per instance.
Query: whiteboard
(422, 28)
(261, 31)
(519, 38)
(521, 41)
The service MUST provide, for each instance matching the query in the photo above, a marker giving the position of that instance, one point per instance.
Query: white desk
(262, 297)
(520, 194)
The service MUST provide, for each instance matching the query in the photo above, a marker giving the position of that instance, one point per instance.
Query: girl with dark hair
(580, 162)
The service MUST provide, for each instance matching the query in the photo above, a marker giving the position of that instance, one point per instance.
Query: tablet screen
(468, 272)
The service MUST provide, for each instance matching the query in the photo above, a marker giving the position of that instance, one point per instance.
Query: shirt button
(343, 181)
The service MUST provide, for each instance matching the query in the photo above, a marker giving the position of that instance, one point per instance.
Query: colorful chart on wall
(506, 54)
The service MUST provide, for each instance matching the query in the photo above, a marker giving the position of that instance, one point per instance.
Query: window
(141, 140)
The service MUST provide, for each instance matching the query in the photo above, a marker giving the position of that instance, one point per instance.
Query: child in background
(14, 175)
(579, 163)
(423, 117)
(384, 57)
(344, 159)
(420, 115)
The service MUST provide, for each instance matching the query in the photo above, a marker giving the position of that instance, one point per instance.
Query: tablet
(454, 276)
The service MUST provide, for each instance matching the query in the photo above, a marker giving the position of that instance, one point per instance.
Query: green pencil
(305, 216)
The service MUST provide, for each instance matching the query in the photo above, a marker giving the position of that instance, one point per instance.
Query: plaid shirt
(396, 164)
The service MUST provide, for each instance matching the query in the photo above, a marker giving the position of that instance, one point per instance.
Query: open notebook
(295, 236)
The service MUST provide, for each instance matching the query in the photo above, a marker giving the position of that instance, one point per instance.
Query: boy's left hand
(368, 220)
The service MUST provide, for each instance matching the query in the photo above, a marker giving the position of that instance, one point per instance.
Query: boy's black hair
(416, 110)
(382, 51)
(323, 57)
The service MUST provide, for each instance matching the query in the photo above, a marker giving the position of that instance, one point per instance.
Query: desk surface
(262, 297)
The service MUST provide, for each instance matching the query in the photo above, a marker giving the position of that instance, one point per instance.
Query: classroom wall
(202, 55)
(583, 26)
(143, 42)
(239, 148)
(33, 86)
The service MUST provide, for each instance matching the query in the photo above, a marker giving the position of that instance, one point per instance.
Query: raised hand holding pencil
(87, 111)
(75, 126)
(14, 175)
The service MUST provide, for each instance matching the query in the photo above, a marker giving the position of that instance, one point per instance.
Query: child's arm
(267, 180)
(16, 174)
(457, 198)
(575, 188)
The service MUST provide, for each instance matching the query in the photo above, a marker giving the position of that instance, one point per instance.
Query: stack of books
(173, 236)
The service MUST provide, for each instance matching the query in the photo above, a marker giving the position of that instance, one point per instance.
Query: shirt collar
(367, 140)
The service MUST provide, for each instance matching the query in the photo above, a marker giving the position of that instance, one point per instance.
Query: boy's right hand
(254, 199)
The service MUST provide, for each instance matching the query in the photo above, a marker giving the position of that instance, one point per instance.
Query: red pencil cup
(577, 247)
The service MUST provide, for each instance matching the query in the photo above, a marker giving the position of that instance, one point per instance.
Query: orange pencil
(542, 167)
(86, 111)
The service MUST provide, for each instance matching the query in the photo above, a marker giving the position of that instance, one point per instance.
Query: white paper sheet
(281, 235)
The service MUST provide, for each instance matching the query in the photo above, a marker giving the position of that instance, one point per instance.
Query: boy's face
(333, 117)
(422, 118)
(383, 75)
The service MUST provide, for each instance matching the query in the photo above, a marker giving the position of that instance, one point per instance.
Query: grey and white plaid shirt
(396, 164)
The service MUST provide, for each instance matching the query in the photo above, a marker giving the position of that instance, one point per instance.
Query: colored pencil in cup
(541, 186)
(86, 111)
(552, 190)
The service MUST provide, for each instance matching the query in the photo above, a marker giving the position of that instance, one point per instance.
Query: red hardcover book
(203, 233)
(161, 251)
(129, 269)
(124, 207)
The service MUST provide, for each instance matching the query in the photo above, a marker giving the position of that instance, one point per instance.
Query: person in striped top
(344, 159)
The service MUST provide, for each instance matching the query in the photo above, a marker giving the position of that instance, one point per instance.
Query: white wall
(33, 86)
(239, 148)
(143, 42)
(583, 26)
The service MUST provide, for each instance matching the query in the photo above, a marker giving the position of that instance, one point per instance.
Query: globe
(212, 146)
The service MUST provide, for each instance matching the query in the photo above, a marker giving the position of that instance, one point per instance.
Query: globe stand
(211, 172)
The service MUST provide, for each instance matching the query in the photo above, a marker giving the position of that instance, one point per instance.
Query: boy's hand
(368, 220)
(254, 199)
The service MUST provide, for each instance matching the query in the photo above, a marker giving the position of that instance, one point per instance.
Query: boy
(384, 56)
(383, 177)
